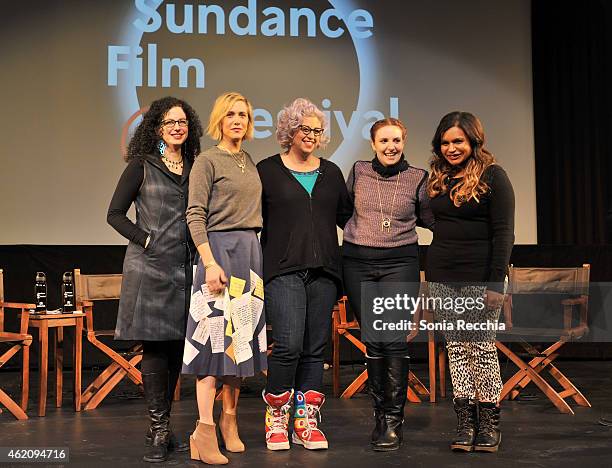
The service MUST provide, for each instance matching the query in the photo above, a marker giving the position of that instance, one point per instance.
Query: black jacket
(299, 230)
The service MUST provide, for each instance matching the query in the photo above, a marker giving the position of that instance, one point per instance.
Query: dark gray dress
(157, 280)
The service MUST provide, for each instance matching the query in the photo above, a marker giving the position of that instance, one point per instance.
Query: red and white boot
(306, 419)
(277, 419)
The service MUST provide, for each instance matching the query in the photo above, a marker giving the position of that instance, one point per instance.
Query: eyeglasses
(306, 130)
(170, 123)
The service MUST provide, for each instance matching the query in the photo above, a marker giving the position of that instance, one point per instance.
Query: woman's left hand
(493, 299)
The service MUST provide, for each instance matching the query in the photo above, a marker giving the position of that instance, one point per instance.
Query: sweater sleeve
(345, 203)
(350, 183)
(501, 219)
(425, 217)
(125, 194)
(200, 187)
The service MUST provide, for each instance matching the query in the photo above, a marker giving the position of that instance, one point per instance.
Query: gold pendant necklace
(385, 221)
(239, 157)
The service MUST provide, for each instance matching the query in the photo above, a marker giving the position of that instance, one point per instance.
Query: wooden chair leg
(58, 347)
(355, 385)
(77, 367)
(412, 396)
(570, 388)
(98, 382)
(43, 364)
(110, 384)
(538, 365)
(442, 368)
(537, 379)
(431, 356)
(25, 378)
(335, 358)
(419, 387)
(13, 407)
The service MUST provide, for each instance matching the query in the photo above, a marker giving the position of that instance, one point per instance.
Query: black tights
(160, 357)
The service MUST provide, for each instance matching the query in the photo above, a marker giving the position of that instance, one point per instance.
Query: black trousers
(358, 271)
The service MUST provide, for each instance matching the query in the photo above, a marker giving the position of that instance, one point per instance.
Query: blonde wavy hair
(220, 109)
(471, 186)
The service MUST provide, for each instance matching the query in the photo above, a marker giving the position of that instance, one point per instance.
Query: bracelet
(212, 263)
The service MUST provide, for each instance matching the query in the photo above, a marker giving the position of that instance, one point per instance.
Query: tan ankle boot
(204, 445)
(229, 432)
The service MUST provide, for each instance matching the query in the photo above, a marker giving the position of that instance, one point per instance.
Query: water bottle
(40, 292)
(68, 293)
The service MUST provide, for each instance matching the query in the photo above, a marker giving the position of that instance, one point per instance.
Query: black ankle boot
(396, 386)
(489, 435)
(376, 379)
(156, 395)
(466, 425)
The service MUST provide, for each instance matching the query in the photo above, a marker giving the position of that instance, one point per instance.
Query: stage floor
(534, 432)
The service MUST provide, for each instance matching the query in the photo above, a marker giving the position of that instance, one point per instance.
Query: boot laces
(464, 417)
(280, 419)
(313, 417)
(487, 420)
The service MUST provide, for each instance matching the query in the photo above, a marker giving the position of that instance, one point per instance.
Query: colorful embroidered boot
(277, 419)
(306, 419)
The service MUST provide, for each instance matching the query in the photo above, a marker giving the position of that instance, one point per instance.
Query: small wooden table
(58, 321)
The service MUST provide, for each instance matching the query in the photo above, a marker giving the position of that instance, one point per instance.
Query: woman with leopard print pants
(473, 203)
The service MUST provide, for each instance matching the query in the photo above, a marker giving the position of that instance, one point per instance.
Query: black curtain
(572, 65)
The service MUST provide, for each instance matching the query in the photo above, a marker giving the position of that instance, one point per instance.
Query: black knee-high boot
(156, 395)
(376, 387)
(396, 386)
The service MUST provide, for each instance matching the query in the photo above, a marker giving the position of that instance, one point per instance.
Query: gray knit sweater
(411, 206)
(221, 196)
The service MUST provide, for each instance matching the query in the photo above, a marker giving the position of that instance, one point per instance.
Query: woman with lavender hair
(304, 199)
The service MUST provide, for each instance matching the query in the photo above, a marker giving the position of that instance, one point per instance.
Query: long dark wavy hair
(471, 185)
(146, 136)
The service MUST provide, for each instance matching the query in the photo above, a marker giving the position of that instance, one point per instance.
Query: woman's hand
(215, 279)
(493, 299)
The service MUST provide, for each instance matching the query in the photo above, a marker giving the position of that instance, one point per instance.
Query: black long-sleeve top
(473, 242)
(299, 230)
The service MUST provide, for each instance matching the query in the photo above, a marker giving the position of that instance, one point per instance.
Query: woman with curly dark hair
(157, 268)
(473, 203)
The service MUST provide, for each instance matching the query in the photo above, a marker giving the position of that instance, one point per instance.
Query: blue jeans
(298, 308)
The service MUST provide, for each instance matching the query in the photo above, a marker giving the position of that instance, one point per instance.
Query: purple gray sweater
(411, 206)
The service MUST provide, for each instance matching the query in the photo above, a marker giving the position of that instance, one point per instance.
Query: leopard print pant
(472, 355)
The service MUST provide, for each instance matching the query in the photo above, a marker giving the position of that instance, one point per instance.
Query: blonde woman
(224, 216)
(473, 203)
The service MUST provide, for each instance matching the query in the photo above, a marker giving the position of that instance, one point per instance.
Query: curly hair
(292, 116)
(471, 185)
(146, 136)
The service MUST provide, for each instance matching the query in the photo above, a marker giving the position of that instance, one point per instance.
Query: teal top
(306, 179)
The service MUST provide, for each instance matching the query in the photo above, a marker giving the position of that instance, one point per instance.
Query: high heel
(228, 428)
(204, 446)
